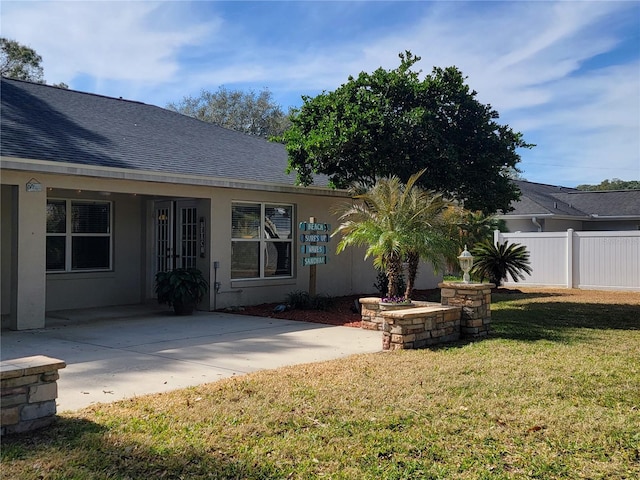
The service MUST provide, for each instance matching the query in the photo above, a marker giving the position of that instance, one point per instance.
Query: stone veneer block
(464, 311)
(475, 300)
(44, 392)
(28, 391)
(20, 367)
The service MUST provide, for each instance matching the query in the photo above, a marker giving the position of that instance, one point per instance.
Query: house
(99, 194)
(549, 208)
(577, 239)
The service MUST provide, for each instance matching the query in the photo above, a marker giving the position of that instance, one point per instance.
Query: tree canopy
(22, 63)
(613, 184)
(248, 112)
(19, 61)
(390, 122)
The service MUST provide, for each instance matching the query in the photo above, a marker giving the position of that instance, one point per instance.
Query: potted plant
(182, 288)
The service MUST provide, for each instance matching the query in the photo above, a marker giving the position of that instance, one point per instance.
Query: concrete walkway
(133, 351)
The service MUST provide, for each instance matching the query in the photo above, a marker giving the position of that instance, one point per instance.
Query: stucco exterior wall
(612, 225)
(131, 280)
(548, 225)
(121, 286)
(562, 225)
(6, 245)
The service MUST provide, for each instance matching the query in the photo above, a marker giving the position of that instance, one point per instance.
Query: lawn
(553, 393)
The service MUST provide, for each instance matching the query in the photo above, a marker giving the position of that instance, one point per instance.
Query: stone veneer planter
(28, 392)
(463, 312)
(389, 307)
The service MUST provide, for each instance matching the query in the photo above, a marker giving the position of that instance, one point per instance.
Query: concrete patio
(122, 352)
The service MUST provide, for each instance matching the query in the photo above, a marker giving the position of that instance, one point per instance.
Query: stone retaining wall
(464, 312)
(475, 300)
(28, 392)
(420, 327)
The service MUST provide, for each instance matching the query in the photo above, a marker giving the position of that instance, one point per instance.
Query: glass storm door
(176, 235)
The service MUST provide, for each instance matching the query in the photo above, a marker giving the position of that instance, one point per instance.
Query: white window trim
(69, 235)
(263, 241)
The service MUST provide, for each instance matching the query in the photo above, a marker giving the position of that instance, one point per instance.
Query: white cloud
(105, 40)
(525, 58)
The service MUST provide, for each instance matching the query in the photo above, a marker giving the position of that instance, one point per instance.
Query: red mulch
(341, 313)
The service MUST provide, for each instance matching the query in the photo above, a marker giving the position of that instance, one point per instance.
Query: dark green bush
(185, 286)
(382, 284)
(303, 301)
(495, 262)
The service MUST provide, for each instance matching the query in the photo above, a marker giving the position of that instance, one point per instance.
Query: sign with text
(314, 237)
(314, 227)
(317, 253)
(307, 261)
(322, 249)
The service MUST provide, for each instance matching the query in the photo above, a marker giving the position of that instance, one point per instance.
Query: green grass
(553, 393)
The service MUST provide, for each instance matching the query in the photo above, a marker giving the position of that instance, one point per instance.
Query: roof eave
(74, 169)
(591, 217)
(541, 215)
(613, 217)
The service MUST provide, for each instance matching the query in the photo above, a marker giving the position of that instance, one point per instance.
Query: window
(78, 235)
(262, 240)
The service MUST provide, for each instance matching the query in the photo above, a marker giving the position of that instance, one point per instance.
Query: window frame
(69, 235)
(263, 241)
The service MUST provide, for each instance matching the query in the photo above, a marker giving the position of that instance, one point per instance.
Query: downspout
(216, 285)
(534, 220)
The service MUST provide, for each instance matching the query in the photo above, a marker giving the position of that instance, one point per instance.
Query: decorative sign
(314, 227)
(317, 252)
(307, 261)
(313, 249)
(203, 236)
(314, 237)
(34, 185)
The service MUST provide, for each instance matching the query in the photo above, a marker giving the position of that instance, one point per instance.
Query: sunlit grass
(553, 393)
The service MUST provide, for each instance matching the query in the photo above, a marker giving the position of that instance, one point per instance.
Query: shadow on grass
(24, 446)
(557, 321)
(76, 448)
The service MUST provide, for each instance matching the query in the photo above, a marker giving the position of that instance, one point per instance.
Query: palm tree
(396, 222)
(498, 261)
(468, 228)
(427, 238)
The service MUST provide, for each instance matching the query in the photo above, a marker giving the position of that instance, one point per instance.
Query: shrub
(303, 301)
(382, 283)
(495, 262)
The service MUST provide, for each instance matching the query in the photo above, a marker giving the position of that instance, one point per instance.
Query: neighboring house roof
(41, 122)
(548, 200)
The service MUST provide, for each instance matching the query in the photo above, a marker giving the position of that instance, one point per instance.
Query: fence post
(496, 237)
(570, 258)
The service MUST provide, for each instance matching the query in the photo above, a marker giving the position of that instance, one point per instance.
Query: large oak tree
(22, 63)
(248, 112)
(391, 122)
(19, 61)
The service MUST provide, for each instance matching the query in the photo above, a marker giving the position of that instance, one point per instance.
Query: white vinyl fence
(587, 260)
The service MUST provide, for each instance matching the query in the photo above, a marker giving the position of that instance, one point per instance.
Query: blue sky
(565, 74)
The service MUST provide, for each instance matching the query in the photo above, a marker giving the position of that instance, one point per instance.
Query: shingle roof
(540, 199)
(48, 123)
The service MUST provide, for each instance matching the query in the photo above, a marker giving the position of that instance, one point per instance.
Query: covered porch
(81, 243)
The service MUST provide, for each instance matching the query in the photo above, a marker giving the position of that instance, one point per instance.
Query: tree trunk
(412, 272)
(394, 270)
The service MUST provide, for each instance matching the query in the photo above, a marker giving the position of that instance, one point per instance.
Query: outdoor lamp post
(466, 262)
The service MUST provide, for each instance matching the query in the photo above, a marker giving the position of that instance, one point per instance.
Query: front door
(176, 230)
